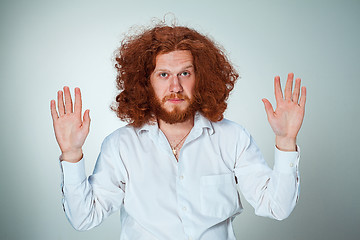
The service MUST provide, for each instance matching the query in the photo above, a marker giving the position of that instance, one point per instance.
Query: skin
(174, 73)
(70, 129)
(286, 120)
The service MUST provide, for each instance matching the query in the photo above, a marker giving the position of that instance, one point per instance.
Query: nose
(175, 85)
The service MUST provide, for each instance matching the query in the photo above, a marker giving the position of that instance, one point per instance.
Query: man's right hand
(70, 130)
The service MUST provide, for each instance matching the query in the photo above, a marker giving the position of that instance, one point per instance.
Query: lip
(175, 100)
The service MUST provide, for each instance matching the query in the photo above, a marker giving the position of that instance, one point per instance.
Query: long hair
(135, 60)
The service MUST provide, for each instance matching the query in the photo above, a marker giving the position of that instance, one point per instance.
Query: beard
(177, 115)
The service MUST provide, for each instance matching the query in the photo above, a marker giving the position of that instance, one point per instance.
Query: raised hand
(286, 120)
(70, 130)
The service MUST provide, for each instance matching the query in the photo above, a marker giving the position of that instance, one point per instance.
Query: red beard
(176, 115)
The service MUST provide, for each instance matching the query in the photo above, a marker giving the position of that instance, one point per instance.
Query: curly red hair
(135, 61)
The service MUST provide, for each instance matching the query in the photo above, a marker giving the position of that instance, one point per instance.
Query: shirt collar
(200, 122)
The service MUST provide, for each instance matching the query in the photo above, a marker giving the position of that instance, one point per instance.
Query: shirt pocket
(218, 195)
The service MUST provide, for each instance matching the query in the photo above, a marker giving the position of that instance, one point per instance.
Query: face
(173, 83)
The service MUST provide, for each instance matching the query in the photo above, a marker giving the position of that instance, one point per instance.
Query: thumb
(268, 108)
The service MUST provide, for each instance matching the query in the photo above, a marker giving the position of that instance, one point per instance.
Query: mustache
(175, 96)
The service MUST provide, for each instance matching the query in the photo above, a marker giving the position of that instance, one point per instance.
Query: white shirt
(194, 198)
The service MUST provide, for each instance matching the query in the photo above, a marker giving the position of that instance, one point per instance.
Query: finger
(54, 113)
(268, 108)
(277, 89)
(296, 92)
(78, 102)
(68, 101)
(303, 97)
(86, 121)
(61, 103)
(288, 86)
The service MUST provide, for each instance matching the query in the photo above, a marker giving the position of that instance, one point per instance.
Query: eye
(163, 74)
(185, 74)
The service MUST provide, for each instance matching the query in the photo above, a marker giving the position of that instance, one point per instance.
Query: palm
(286, 120)
(68, 131)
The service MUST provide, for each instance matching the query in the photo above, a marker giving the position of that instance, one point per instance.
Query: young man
(173, 170)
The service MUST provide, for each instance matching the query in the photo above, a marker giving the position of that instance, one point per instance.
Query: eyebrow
(166, 70)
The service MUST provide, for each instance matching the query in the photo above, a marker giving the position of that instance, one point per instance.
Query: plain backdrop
(46, 45)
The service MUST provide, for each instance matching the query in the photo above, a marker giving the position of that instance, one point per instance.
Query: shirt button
(291, 164)
(184, 208)
(181, 177)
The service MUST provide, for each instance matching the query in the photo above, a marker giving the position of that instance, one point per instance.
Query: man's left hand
(286, 120)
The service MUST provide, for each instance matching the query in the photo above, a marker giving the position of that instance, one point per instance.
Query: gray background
(48, 44)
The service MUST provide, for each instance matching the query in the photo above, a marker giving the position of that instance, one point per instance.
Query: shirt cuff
(286, 162)
(74, 173)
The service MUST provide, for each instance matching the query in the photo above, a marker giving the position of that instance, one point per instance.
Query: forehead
(173, 60)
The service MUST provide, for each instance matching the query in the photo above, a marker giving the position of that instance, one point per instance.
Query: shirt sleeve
(87, 201)
(272, 192)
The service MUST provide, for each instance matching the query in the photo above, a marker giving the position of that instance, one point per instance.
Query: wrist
(73, 156)
(285, 143)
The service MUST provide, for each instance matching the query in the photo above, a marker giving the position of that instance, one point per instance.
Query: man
(173, 171)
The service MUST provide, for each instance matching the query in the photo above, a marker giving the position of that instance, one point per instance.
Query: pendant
(174, 151)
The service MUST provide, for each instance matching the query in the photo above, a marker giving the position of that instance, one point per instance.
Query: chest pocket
(219, 197)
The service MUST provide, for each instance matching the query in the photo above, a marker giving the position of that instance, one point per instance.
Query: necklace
(174, 148)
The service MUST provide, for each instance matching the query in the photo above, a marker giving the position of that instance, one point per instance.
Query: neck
(177, 129)
(176, 134)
